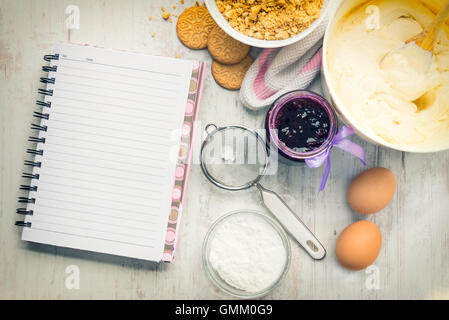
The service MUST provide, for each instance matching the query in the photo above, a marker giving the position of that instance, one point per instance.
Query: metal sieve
(236, 158)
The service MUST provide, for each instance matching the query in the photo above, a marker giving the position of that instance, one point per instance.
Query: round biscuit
(193, 27)
(231, 76)
(225, 49)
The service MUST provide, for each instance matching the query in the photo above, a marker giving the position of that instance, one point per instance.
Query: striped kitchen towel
(278, 71)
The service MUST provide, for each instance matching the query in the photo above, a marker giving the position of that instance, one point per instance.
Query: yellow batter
(401, 95)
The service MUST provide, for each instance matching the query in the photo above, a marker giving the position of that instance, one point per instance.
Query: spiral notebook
(111, 152)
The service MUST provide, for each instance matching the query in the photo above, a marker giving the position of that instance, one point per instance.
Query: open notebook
(111, 158)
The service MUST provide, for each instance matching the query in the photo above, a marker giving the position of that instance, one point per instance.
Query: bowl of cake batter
(398, 100)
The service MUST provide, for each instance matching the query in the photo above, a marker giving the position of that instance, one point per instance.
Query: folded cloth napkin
(278, 71)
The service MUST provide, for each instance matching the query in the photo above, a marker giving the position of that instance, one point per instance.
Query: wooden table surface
(413, 263)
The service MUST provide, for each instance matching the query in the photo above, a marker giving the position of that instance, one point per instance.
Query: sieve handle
(292, 223)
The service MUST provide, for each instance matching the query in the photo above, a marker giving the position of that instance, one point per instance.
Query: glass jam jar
(300, 125)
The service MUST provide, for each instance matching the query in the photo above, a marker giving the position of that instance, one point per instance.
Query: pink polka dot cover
(184, 159)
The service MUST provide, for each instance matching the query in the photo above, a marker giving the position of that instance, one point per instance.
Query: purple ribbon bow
(341, 142)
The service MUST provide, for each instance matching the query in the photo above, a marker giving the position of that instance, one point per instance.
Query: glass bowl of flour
(246, 254)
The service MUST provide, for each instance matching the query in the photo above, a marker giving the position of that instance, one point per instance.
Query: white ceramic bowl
(342, 111)
(223, 23)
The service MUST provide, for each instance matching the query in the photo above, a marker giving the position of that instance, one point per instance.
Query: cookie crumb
(182, 1)
(175, 6)
(150, 18)
(166, 15)
(153, 34)
(178, 55)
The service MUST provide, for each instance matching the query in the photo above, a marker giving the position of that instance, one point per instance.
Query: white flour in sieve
(247, 253)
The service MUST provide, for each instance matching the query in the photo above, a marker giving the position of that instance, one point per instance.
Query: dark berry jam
(303, 125)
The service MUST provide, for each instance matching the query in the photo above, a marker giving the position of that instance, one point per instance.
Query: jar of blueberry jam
(300, 125)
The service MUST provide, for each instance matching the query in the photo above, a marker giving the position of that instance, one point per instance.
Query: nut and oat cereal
(270, 19)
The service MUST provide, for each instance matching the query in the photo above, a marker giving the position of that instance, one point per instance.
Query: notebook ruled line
(118, 82)
(116, 105)
(64, 66)
(99, 182)
(94, 221)
(98, 127)
(97, 206)
(92, 213)
(103, 159)
(97, 198)
(109, 152)
(118, 90)
(140, 173)
(97, 238)
(94, 230)
(97, 174)
(106, 120)
(59, 105)
(101, 135)
(66, 185)
(121, 67)
(50, 135)
(110, 96)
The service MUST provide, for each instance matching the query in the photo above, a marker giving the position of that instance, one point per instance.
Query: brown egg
(371, 190)
(358, 245)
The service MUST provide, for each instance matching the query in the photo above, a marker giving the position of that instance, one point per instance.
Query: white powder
(247, 253)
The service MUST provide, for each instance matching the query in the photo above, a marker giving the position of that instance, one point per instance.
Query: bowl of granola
(268, 23)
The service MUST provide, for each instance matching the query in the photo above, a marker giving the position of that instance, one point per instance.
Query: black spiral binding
(35, 164)
(41, 115)
(35, 139)
(38, 127)
(49, 69)
(23, 224)
(49, 57)
(48, 80)
(24, 212)
(43, 104)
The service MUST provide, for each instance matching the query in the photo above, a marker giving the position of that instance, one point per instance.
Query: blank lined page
(109, 156)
